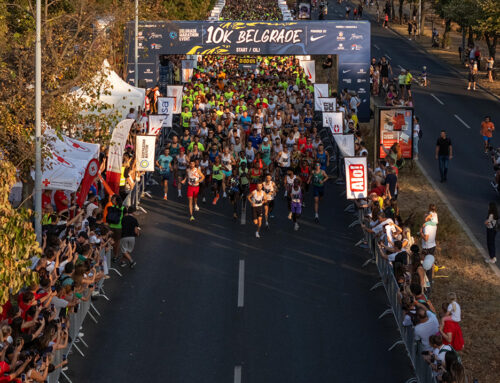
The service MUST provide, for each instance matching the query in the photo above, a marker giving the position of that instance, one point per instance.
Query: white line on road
(438, 100)
(241, 285)
(462, 121)
(400, 67)
(389, 57)
(376, 47)
(244, 212)
(237, 374)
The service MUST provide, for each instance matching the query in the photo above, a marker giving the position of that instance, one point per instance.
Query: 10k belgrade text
(278, 36)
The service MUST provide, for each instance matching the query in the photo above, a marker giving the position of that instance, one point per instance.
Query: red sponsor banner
(396, 126)
(356, 172)
(89, 177)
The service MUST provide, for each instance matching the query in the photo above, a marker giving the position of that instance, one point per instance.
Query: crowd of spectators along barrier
(87, 308)
(423, 372)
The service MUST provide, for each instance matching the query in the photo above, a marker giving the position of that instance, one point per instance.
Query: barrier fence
(423, 371)
(86, 308)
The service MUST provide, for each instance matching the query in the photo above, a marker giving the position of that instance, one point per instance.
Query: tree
(489, 23)
(17, 239)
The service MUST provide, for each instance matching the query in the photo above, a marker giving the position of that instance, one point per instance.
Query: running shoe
(196, 208)
(165, 197)
(224, 195)
(290, 215)
(267, 225)
(123, 264)
(296, 227)
(133, 264)
(192, 218)
(316, 218)
(215, 199)
(257, 234)
(204, 200)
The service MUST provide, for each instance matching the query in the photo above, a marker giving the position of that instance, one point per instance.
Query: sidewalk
(450, 56)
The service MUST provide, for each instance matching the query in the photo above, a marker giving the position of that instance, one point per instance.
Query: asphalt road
(208, 302)
(448, 105)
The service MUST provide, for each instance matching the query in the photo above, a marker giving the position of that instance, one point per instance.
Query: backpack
(114, 215)
(452, 351)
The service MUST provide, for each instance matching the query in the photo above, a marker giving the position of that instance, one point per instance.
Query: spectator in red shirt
(61, 200)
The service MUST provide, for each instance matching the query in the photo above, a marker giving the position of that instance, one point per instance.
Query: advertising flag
(396, 126)
(175, 91)
(145, 156)
(187, 70)
(166, 107)
(115, 153)
(155, 123)
(87, 181)
(345, 142)
(320, 90)
(328, 104)
(334, 121)
(310, 69)
(356, 177)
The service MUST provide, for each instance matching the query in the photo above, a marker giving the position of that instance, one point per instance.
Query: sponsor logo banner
(356, 177)
(145, 155)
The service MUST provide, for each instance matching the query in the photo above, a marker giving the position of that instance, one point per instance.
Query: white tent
(115, 92)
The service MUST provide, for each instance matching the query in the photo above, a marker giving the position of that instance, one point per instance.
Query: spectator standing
(489, 68)
(487, 129)
(130, 230)
(491, 231)
(416, 136)
(427, 325)
(444, 153)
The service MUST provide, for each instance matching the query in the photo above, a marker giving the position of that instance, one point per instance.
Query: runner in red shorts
(194, 176)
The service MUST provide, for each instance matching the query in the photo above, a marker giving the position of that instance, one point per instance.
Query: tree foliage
(17, 239)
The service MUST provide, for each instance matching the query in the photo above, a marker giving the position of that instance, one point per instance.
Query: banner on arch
(356, 174)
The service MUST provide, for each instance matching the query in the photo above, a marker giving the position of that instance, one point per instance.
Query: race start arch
(348, 39)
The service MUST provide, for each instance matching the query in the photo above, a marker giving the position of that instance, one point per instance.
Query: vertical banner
(175, 91)
(396, 126)
(345, 142)
(115, 153)
(334, 121)
(155, 123)
(320, 90)
(310, 69)
(187, 70)
(145, 153)
(328, 104)
(87, 181)
(166, 107)
(356, 177)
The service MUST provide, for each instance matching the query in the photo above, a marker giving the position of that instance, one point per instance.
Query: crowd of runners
(249, 136)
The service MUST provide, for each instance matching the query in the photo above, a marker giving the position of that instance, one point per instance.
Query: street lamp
(136, 45)
(38, 123)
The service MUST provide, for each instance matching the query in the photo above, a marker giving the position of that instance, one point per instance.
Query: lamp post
(38, 123)
(136, 45)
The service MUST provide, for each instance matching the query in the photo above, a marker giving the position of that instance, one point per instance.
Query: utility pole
(136, 45)
(38, 123)
(420, 17)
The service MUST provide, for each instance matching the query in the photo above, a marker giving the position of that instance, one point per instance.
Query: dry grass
(465, 273)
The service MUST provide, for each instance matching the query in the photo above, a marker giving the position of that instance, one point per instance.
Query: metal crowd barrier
(423, 372)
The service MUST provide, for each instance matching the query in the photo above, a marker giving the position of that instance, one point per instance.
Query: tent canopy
(113, 91)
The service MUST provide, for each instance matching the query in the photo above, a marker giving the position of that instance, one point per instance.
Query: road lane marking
(237, 374)
(389, 57)
(438, 100)
(376, 47)
(400, 67)
(462, 121)
(241, 285)
(244, 212)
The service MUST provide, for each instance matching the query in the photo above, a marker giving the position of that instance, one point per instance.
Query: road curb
(462, 223)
